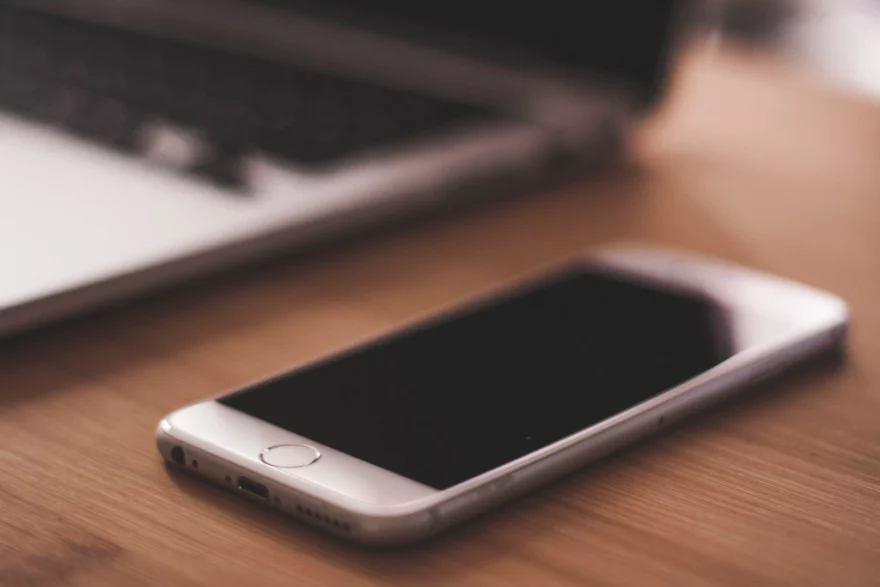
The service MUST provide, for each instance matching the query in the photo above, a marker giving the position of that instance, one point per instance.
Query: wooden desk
(749, 162)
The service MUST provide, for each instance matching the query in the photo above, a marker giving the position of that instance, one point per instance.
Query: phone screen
(464, 394)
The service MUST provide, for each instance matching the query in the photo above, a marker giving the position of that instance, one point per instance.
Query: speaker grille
(330, 521)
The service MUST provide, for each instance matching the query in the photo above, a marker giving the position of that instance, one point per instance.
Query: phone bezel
(376, 505)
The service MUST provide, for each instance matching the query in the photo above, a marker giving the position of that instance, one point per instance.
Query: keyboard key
(57, 103)
(19, 90)
(222, 169)
(107, 121)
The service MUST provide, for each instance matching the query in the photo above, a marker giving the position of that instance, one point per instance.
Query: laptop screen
(621, 40)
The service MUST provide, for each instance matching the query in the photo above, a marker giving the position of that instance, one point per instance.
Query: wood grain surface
(748, 161)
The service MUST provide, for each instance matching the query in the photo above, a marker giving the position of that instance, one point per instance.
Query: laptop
(143, 142)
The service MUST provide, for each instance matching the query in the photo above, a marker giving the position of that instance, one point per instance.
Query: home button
(290, 456)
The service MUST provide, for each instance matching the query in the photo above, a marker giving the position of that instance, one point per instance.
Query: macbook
(143, 142)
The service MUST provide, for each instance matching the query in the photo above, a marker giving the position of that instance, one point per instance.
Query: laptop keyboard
(110, 86)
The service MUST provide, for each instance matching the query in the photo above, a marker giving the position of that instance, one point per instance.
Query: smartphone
(395, 439)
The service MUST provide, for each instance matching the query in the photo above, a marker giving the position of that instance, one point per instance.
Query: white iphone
(398, 438)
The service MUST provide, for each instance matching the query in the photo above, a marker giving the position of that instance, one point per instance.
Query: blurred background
(839, 39)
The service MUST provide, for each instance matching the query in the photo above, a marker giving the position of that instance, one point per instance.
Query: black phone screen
(461, 395)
